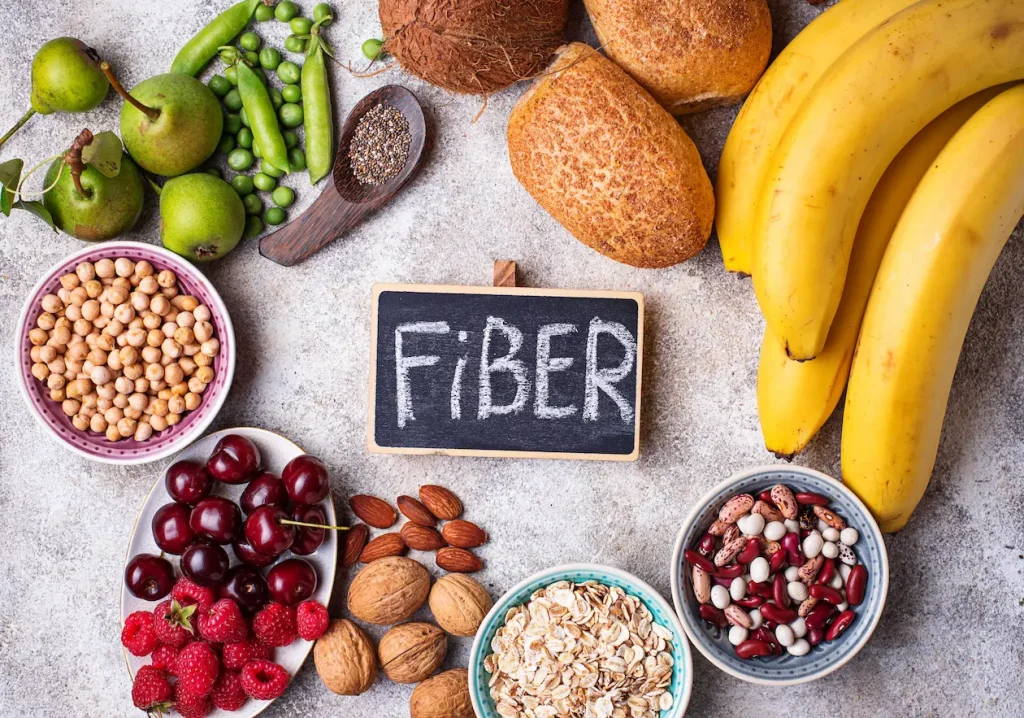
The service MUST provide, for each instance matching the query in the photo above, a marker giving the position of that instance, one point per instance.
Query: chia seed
(380, 145)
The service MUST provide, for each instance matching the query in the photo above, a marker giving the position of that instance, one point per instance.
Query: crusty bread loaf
(689, 54)
(609, 163)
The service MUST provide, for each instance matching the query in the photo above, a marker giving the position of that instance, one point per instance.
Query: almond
(421, 538)
(464, 534)
(415, 511)
(441, 502)
(373, 511)
(355, 540)
(458, 560)
(383, 546)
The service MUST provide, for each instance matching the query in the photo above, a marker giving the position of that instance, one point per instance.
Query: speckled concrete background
(951, 641)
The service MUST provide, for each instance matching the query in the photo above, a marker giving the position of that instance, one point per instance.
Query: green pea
(243, 117)
(232, 124)
(253, 58)
(240, 160)
(212, 171)
(252, 203)
(233, 100)
(274, 216)
(289, 73)
(231, 75)
(219, 85)
(294, 44)
(296, 160)
(283, 196)
(372, 48)
(229, 55)
(300, 25)
(256, 149)
(242, 184)
(291, 93)
(270, 58)
(253, 224)
(269, 169)
(322, 11)
(276, 98)
(226, 144)
(290, 114)
(264, 183)
(264, 13)
(286, 10)
(290, 139)
(250, 41)
(244, 138)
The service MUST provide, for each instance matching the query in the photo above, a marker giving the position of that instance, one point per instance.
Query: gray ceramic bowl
(826, 656)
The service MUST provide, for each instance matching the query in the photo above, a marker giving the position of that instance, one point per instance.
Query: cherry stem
(289, 522)
(150, 112)
(17, 126)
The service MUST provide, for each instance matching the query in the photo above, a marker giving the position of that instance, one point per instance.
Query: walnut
(411, 652)
(388, 590)
(446, 695)
(345, 659)
(459, 604)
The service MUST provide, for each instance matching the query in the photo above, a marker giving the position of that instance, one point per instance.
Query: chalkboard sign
(508, 372)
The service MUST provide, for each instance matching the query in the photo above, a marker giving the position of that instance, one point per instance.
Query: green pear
(170, 123)
(201, 216)
(104, 207)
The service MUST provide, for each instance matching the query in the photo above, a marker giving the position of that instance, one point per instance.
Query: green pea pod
(262, 117)
(198, 51)
(316, 105)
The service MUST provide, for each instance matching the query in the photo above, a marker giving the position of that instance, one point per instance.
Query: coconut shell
(473, 46)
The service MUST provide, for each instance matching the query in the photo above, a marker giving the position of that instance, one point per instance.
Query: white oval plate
(275, 452)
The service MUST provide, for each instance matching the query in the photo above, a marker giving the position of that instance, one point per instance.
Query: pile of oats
(580, 651)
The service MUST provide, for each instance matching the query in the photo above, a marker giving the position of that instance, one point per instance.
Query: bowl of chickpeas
(127, 353)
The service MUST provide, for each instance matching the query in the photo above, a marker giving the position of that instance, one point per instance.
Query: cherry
(265, 532)
(234, 460)
(149, 577)
(205, 563)
(292, 581)
(171, 528)
(188, 482)
(264, 489)
(245, 586)
(217, 519)
(250, 556)
(306, 479)
(307, 539)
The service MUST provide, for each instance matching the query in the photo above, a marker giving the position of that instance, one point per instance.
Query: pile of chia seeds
(380, 145)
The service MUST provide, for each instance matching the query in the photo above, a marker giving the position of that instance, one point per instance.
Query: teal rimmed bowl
(682, 674)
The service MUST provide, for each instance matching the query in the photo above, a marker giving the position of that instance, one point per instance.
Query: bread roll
(689, 54)
(609, 163)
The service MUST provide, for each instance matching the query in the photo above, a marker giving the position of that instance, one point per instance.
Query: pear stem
(73, 159)
(289, 522)
(24, 118)
(150, 112)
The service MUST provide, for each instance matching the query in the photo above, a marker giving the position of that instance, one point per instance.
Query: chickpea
(113, 415)
(164, 393)
(190, 350)
(173, 419)
(128, 355)
(91, 309)
(136, 338)
(135, 323)
(171, 348)
(104, 404)
(86, 370)
(133, 372)
(202, 313)
(35, 353)
(106, 308)
(184, 335)
(173, 373)
(180, 389)
(84, 386)
(96, 358)
(45, 353)
(176, 405)
(151, 355)
(154, 372)
(166, 361)
(192, 401)
(189, 303)
(187, 365)
(158, 423)
(40, 371)
(172, 316)
(203, 331)
(148, 285)
(90, 401)
(38, 337)
(211, 347)
(116, 296)
(106, 391)
(105, 268)
(70, 281)
(58, 394)
(55, 381)
(124, 313)
(98, 423)
(70, 407)
(186, 319)
(159, 305)
(159, 407)
(106, 341)
(113, 328)
(83, 327)
(143, 431)
(79, 422)
(87, 411)
(124, 385)
(57, 366)
(73, 313)
(167, 278)
(139, 301)
(152, 321)
(134, 414)
(155, 338)
(142, 384)
(63, 323)
(124, 267)
(205, 374)
(101, 322)
(168, 328)
(85, 271)
(114, 361)
(202, 359)
(121, 401)
(52, 303)
(138, 401)
(196, 386)
(46, 321)
(93, 289)
(113, 434)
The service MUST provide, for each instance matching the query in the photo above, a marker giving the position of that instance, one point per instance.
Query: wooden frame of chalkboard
(627, 448)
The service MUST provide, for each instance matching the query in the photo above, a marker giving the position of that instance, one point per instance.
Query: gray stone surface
(950, 642)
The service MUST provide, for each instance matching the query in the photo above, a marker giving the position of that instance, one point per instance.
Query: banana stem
(18, 125)
(289, 522)
(150, 112)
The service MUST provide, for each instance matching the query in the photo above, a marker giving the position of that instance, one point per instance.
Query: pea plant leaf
(10, 175)
(37, 208)
(104, 153)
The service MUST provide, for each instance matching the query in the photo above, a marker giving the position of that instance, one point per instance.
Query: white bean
(797, 590)
(792, 526)
(830, 534)
(842, 606)
(829, 550)
(756, 620)
(751, 524)
(737, 635)
(800, 647)
(849, 536)
(813, 544)
(799, 627)
(837, 581)
(785, 636)
(760, 569)
(844, 572)
(821, 526)
(720, 597)
(738, 589)
(793, 573)
(774, 530)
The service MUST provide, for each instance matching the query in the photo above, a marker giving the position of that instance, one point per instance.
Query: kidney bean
(828, 568)
(722, 581)
(751, 649)
(766, 634)
(762, 589)
(856, 584)
(695, 559)
(770, 625)
(750, 601)
(714, 616)
(818, 617)
(839, 626)
(766, 496)
(826, 593)
(815, 636)
(730, 572)
(777, 561)
(706, 545)
(807, 497)
(771, 612)
(791, 545)
(750, 552)
(780, 592)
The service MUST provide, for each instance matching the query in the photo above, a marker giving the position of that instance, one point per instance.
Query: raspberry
(189, 705)
(264, 680)
(173, 623)
(165, 657)
(275, 625)
(197, 668)
(312, 620)
(138, 634)
(223, 623)
(227, 693)
(187, 592)
(236, 655)
(151, 691)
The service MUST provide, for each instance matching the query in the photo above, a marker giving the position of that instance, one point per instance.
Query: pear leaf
(38, 210)
(104, 153)
(10, 175)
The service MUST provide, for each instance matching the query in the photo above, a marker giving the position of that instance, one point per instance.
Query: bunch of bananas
(868, 185)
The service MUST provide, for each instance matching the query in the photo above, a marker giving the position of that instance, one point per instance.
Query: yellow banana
(794, 399)
(862, 112)
(767, 113)
(934, 269)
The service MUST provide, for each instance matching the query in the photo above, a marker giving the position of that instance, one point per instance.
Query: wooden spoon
(347, 202)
